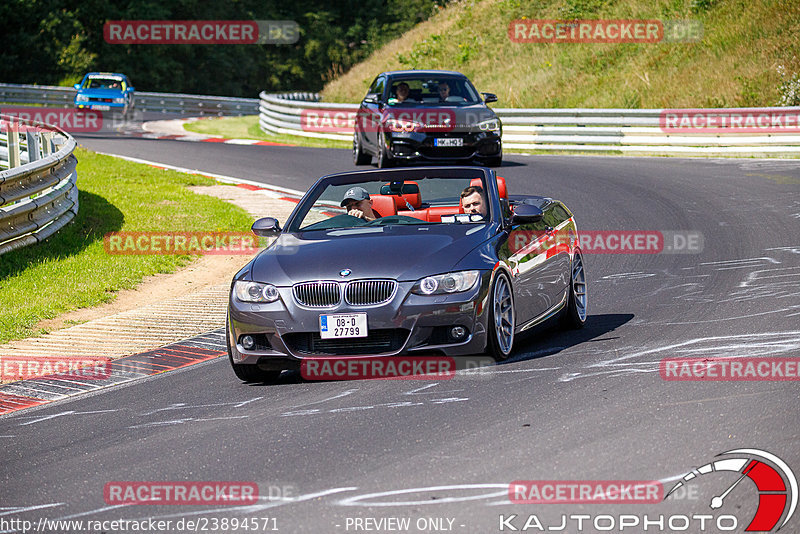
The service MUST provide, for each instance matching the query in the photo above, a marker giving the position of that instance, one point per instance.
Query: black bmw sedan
(418, 115)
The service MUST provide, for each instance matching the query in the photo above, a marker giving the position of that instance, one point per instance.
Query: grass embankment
(72, 269)
(247, 128)
(735, 64)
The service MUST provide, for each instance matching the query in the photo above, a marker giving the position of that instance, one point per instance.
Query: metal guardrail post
(13, 148)
(47, 144)
(33, 146)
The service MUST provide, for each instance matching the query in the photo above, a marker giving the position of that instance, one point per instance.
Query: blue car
(105, 91)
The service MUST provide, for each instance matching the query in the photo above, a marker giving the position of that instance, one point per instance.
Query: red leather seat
(417, 214)
(435, 212)
(501, 185)
(414, 199)
(383, 205)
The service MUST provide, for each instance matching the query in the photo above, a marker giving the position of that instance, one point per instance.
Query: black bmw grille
(317, 294)
(365, 292)
(447, 151)
(378, 341)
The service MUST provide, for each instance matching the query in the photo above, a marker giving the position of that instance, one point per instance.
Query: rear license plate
(343, 325)
(448, 141)
(101, 108)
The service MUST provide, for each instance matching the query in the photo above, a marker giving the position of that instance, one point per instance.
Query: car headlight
(255, 292)
(82, 98)
(119, 100)
(442, 284)
(400, 125)
(491, 125)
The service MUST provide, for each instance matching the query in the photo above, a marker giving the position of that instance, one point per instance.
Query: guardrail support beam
(33, 145)
(13, 148)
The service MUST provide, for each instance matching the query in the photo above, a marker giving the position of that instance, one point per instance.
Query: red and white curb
(32, 392)
(173, 130)
(204, 139)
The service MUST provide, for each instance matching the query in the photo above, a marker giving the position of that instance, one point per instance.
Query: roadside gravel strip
(154, 325)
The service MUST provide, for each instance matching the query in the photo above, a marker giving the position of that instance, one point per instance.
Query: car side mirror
(525, 213)
(371, 98)
(130, 89)
(266, 227)
(488, 98)
(77, 86)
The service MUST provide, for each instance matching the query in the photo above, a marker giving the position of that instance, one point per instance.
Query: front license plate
(101, 108)
(342, 325)
(448, 141)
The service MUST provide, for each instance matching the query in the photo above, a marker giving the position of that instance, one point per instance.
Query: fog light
(458, 332)
(248, 342)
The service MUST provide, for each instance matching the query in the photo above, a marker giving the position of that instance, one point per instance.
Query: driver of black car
(358, 204)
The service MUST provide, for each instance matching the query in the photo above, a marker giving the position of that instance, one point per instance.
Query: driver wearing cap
(358, 204)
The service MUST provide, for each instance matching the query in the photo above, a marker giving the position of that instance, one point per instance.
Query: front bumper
(286, 332)
(101, 106)
(415, 146)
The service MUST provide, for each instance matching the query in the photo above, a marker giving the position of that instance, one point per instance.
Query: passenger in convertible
(472, 200)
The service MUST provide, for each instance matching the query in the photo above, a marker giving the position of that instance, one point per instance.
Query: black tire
(359, 156)
(248, 373)
(501, 333)
(383, 159)
(574, 314)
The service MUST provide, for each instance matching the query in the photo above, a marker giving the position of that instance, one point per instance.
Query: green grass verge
(72, 270)
(246, 127)
(736, 63)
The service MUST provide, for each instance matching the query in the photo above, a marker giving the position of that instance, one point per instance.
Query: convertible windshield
(432, 91)
(394, 202)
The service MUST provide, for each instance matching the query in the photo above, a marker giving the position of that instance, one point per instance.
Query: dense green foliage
(57, 41)
(747, 54)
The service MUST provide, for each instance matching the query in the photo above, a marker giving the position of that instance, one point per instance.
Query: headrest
(501, 185)
(403, 192)
(384, 205)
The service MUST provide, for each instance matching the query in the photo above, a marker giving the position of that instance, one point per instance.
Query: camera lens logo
(776, 483)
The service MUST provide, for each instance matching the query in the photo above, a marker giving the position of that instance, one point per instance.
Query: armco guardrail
(38, 190)
(594, 130)
(194, 105)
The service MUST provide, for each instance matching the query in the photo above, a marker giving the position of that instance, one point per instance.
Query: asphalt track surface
(585, 405)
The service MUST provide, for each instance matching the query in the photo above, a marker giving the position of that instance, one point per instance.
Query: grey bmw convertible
(414, 261)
